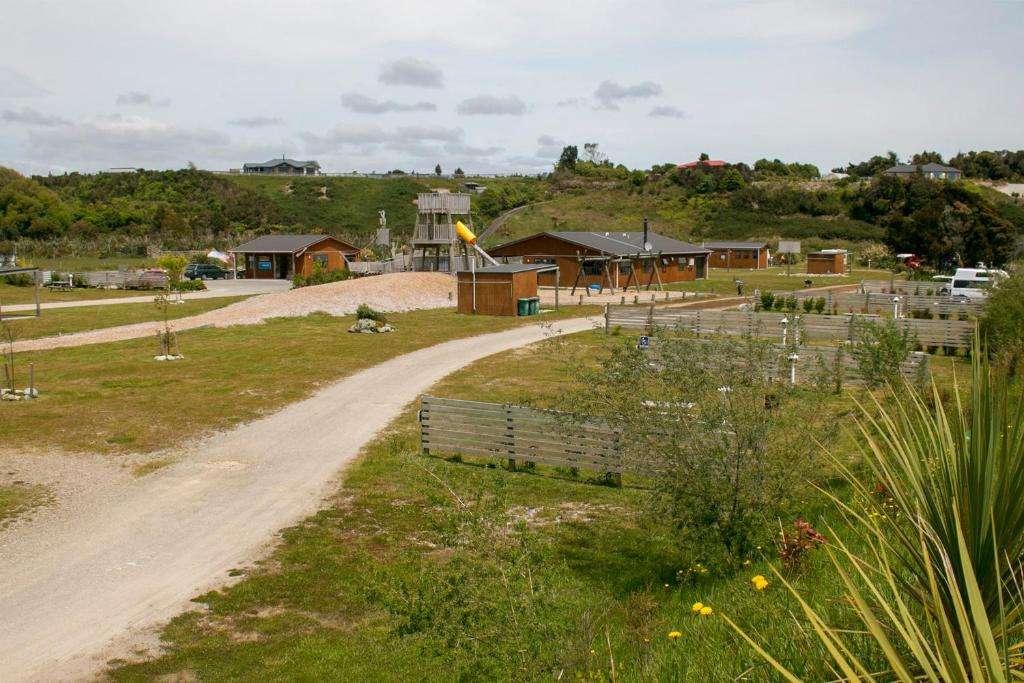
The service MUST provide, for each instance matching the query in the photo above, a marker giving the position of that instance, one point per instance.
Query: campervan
(970, 283)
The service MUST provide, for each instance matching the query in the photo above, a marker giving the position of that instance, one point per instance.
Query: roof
(618, 243)
(735, 245)
(512, 268)
(281, 244)
(11, 270)
(930, 167)
(283, 160)
(704, 162)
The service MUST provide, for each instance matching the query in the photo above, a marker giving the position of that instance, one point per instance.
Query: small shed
(496, 290)
(748, 255)
(284, 256)
(827, 262)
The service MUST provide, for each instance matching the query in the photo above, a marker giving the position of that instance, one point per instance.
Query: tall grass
(936, 586)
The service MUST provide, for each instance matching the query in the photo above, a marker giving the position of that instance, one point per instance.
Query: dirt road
(74, 583)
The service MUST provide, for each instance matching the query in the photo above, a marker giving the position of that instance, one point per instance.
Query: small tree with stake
(167, 338)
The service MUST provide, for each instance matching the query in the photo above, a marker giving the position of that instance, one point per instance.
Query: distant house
(930, 170)
(751, 255)
(607, 258)
(282, 166)
(703, 162)
(282, 256)
(828, 262)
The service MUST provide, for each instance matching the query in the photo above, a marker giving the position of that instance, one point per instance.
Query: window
(540, 261)
(625, 267)
(593, 267)
(320, 260)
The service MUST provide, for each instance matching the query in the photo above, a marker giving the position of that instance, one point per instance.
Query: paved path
(216, 288)
(71, 586)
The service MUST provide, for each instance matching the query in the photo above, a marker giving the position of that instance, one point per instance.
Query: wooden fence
(911, 287)
(515, 433)
(877, 302)
(956, 334)
(817, 364)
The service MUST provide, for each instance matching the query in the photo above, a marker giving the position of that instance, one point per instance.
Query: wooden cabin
(740, 255)
(496, 290)
(827, 262)
(283, 256)
(608, 259)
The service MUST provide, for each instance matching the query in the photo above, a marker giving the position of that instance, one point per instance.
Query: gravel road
(391, 293)
(73, 583)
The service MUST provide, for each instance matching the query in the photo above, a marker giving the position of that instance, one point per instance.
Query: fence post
(617, 476)
(607, 317)
(511, 438)
(424, 450)
(650, 320)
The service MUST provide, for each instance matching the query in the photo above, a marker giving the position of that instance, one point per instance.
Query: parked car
(153, 278)
(970, 283)
(201, 271)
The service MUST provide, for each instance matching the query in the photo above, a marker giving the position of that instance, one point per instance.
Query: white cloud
(667, 111)
(15, 84)
(610, 93)
(256, 121)
(136, 98)
(491, 105)
(550, 148)
(411, 71)
(464, 150)
(363, 104)
(573, 102)
(30, 117)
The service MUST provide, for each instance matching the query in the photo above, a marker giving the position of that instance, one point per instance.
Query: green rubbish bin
(523, 306)
(534, 305)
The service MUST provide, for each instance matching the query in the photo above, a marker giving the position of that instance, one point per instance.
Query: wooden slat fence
(949, 333)
(911, 287)
(517, 433)
(817, 364)
(877, 302)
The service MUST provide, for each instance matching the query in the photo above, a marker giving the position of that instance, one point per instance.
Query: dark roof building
(283, 166)
(284, 256)
(613, 243)
(703, 162)
(930, 170)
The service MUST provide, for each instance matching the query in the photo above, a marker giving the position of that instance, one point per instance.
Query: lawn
(18, 498)
(115, 398)
(722, 281)
(57, 321)
(11, 295)
(432, 570)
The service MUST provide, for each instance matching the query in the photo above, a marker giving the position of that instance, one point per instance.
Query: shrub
(1003, 324)
(767, 300)
(791, 303)
(320, 276)
(819, 304)
(880, 351)
(18, 280)
(174, 265)
(364, 311)
(808, 304)
(188, 286)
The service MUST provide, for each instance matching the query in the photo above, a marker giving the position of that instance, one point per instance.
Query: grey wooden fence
(877, 302)
(949, 333)
(515, 433)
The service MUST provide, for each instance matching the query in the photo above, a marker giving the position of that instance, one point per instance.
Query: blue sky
(375, 86)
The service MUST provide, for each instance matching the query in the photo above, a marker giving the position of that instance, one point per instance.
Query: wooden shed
(827, 262)
(496, 290)
(741, 255)
(284, 256)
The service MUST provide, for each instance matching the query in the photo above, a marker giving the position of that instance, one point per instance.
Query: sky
(87, 85)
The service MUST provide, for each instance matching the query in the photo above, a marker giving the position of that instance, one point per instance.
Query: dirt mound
(392, 293)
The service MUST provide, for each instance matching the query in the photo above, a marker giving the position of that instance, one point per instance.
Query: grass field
(16, 499)
(11, 295)
(427, 570)
(722, 281)
(123, 401)
(57, 321)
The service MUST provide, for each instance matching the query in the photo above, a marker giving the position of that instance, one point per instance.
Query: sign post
(790, 248)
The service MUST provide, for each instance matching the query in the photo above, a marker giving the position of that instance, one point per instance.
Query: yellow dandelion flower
(746, 563)
(697, 606)
(760, 583)
(672, 634)
(705, 611)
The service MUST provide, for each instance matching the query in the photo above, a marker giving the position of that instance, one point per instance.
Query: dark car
(201, 271)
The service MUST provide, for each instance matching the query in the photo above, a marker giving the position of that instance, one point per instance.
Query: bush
(188, 286)
(321, 276)
(819, 304)
(18, 280)
(880, 351)
(174, 265)
(368, 313)
(767, 300)
(1003, 324)
(808, 304)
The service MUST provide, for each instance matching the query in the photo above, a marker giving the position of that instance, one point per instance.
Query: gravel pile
(392, 293)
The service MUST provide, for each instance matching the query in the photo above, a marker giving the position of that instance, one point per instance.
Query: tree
(731, 180)
(437, 170)
(174, 265)
(1003, 324)
(926, 157)
(567, 161)
(703, 157)
(459, 173)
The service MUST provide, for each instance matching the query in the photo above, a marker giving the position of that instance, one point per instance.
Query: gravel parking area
(392, 293)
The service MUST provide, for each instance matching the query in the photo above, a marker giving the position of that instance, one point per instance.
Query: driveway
(214, 289)
(99, 569)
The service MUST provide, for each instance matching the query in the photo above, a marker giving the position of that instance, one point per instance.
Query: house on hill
(703, 162)
(750, 255)
(282, 166)
(930, 170)
(283, 256)
(608, 258)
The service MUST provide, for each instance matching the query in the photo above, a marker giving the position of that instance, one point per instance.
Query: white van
(970, 283)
